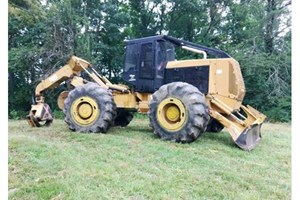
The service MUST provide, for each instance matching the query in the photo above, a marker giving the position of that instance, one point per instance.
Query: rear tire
(178, 112)
(214, 126)
(123, 118)
(89, 108)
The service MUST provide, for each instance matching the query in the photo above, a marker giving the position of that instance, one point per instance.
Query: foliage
(14, 114)
(44, 34)
(58, 114)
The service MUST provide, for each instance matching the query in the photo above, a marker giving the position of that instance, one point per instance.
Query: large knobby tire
(178, 112)
(214, 126)
(90, 109)
(123, 118)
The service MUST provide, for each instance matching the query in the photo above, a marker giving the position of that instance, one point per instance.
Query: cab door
(146, 67)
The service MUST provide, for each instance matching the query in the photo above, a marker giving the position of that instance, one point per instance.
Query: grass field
(131, 163)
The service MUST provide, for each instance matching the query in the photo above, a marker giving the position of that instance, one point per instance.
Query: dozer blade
(245, 129)
(40, 115)
(249, 138)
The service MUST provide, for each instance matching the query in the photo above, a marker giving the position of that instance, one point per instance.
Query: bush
(13, 115)
(17, 114)
(58, 114)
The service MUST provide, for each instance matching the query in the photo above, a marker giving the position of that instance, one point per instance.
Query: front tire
(89, 108)
(178, 112)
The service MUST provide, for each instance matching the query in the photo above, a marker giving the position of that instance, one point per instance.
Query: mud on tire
(196, 110)
(102, 100)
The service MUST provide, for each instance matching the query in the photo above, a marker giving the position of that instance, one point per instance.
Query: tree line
(43, 34)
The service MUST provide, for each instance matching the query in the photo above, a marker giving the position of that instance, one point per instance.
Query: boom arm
(74, 67)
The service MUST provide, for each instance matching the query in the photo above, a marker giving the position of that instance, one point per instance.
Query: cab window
(131, 57)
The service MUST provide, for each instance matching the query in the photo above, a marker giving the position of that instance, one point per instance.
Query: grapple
(40, 115)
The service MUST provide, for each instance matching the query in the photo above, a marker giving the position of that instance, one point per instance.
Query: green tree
(43, 36)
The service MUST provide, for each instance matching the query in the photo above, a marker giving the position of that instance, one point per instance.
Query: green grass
(131, 163)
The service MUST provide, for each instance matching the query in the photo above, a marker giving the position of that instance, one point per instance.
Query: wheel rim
(84, 110)
(171, 114)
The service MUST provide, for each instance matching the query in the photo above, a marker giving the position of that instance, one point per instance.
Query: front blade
(249, 138)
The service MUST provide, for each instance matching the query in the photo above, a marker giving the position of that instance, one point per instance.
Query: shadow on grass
(136, 130)
(142, 129)
(223, 138)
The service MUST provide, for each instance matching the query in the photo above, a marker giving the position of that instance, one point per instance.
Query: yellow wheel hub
(85, 111)
(171, 114)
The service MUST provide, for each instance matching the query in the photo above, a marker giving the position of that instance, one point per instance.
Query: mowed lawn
(132, 163)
